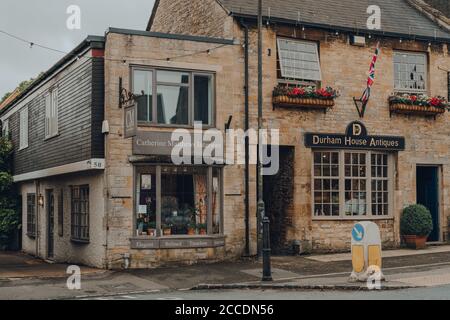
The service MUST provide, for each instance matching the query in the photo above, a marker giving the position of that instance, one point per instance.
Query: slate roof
(397, 16)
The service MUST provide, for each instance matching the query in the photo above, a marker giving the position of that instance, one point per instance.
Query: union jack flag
(371, 79)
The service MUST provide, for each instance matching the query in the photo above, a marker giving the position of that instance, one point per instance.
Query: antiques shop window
(173, 98)
(175, 201)
(352, 184)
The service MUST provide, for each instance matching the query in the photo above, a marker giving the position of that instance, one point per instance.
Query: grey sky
(44, 22)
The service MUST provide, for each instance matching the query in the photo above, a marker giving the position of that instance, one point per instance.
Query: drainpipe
(247, 147)
(37, 186)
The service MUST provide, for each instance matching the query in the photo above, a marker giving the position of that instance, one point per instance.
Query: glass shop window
(146, 203)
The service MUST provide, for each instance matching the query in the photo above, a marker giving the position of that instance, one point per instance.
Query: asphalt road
(436, 293)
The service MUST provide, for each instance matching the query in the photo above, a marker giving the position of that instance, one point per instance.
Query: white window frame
(416, 91)
(51, 114)
(5, 128)
(23, 128)
(369, 216)
(281, 61)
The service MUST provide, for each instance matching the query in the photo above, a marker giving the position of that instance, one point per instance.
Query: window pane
(142, 89)
(173, 105)
(203, 99)
(299, 59)
(183, 200)
(146, 203)
(173, 77)
(326, 190)
(380, 190)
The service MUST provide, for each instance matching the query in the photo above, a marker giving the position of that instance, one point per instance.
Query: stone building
(93, 135)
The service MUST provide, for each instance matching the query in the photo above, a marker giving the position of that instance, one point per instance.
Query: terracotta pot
(192, 232)
(167, 232)
(416, 242)
(203, 232)
(151, 232)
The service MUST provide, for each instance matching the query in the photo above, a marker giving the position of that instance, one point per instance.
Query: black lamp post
(263, 220)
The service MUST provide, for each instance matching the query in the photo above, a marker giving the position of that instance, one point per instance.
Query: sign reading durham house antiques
(355, 137)
(130, 118)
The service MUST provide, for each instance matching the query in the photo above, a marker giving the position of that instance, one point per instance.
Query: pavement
(21, 275)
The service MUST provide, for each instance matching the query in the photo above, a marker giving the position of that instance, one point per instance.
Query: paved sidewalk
(386, 254)
(23, 277)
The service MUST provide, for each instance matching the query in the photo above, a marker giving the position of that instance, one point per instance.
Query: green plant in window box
(202, 228)
(167, 229)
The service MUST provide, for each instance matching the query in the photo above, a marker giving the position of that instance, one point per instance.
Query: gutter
(332, 28)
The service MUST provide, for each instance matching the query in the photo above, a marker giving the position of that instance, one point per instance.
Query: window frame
(31, 226)
(294, 81)
(5, 129)
(140, 169)
(22, 132)
(191, 104)
(369, 216)
(51, 126)
(78, 238)
(426, 72)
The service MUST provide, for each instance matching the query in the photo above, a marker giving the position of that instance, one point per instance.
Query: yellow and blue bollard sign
(366, 252)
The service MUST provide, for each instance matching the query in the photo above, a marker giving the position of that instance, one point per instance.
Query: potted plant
(167, 229)
(202, 228)
(151, 231)
(416, 225)
(192, 229)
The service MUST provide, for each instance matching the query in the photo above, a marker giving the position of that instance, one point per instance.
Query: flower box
(414, 109)
(417, 105)
(313, 103)
(307, 97)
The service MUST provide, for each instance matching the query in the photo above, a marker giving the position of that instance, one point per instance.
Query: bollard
(366, 251)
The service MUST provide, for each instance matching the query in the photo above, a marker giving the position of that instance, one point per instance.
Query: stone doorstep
(386, 254)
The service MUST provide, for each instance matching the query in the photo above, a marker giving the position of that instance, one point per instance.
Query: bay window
(178, 201)
(352, 184)
(180, 97)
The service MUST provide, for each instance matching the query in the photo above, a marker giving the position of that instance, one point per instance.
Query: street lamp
(263, 220)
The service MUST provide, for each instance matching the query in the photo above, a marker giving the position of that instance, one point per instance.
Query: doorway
(428, 196)
(51, 224)
(278, 197)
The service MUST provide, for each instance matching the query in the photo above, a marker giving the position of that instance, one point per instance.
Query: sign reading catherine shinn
(355, 137)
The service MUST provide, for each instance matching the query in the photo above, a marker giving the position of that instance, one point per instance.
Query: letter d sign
(357, 129)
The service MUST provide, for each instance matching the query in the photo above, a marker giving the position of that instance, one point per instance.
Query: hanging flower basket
(418, 105)
(308, 97)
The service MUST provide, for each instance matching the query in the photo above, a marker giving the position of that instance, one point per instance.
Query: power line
(30, 43)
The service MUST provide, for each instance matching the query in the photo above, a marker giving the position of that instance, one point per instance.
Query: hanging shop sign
(355, 137)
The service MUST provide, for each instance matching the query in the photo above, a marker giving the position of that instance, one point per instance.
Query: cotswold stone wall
(149, 51)
(205, 17)
(345, 68)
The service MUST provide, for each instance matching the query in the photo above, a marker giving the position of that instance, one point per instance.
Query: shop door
(428, 195)
(51, 223)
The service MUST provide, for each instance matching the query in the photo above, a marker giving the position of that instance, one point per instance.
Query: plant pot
(413, 109)
(203, 232)
(167, 232)
(151, 232)
(192, 232)
(416, 242)
(308, 103)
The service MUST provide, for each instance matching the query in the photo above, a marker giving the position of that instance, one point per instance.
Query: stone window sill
(177, 242)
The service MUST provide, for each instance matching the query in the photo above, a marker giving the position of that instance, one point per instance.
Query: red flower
(413, 98)
(435, 102)
(298, 92)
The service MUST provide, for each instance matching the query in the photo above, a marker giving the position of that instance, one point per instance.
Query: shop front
(176, 206)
